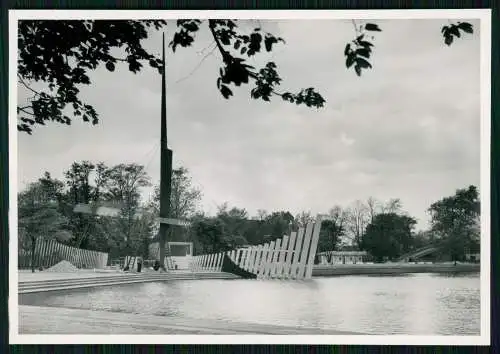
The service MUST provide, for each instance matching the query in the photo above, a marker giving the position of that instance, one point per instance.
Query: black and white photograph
(286, 176)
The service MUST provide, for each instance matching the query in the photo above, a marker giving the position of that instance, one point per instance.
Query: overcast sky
(407, 129)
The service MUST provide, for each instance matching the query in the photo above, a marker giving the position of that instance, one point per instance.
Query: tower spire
(163, 100)
(165, 163)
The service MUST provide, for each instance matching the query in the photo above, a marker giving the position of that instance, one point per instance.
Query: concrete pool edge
(81, 283)
(58, 320)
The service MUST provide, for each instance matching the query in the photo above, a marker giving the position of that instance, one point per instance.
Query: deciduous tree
(455, 220)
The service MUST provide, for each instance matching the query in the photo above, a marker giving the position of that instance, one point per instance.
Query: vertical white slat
(84, 258)
(251, 256)
(232, 255)
(241, 257)
(256, 262)
(244, 257)
(219, 266)
(207, 263)
(91, 263)
(58, 251)
(43, 247)
(246, 265)
(44, 254)
(83, 254)
(251, 262)
(238, 255)
(67, 252)
(78, 258)
(212, 261)
(51, 254)
(255, 255)
(296, 253)
(87, 259)
(305, 250)
(214, 266)
(312, 249)
(281, 257)
(217, 262)
(263, 258)
(269, 259)
(63, 252)
(274, 261)
(223, 254)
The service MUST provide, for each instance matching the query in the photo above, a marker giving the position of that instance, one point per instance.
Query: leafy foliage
(39, 216)
(60, 54)
(455, 220)
(389, 235)
(453, 30)
(235, 47)
(358, 51)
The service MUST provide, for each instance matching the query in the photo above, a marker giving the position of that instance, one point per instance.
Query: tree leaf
(448, 39)
(363, 52)
(466, 27)
(225, 91)
(372, 27)
(349, 60)
(454, 30)
(110, 66)
(357, 68)
(363, 63)
(365, 44)
(347, 49)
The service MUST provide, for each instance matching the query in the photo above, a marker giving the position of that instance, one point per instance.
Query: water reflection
(403, 304)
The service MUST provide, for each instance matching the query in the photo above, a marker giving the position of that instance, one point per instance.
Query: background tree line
(383, 229)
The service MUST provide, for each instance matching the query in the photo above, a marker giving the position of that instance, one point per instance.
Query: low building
(473, 257)
(342, 257)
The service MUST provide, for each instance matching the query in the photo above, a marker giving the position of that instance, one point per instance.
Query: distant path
(55, 320)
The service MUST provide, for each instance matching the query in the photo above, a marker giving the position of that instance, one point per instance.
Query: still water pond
(422, 304)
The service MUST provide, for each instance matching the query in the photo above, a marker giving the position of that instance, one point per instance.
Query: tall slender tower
(165, 164)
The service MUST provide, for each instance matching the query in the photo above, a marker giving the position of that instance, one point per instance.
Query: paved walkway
(56, 320)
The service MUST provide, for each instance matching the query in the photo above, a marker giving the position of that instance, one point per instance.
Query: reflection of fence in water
(50, 252)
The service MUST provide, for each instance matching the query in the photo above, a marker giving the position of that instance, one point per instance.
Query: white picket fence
(207, 262)
(50, 252)
(289, 257)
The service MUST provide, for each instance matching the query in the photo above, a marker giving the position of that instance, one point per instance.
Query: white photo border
(484, 15)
